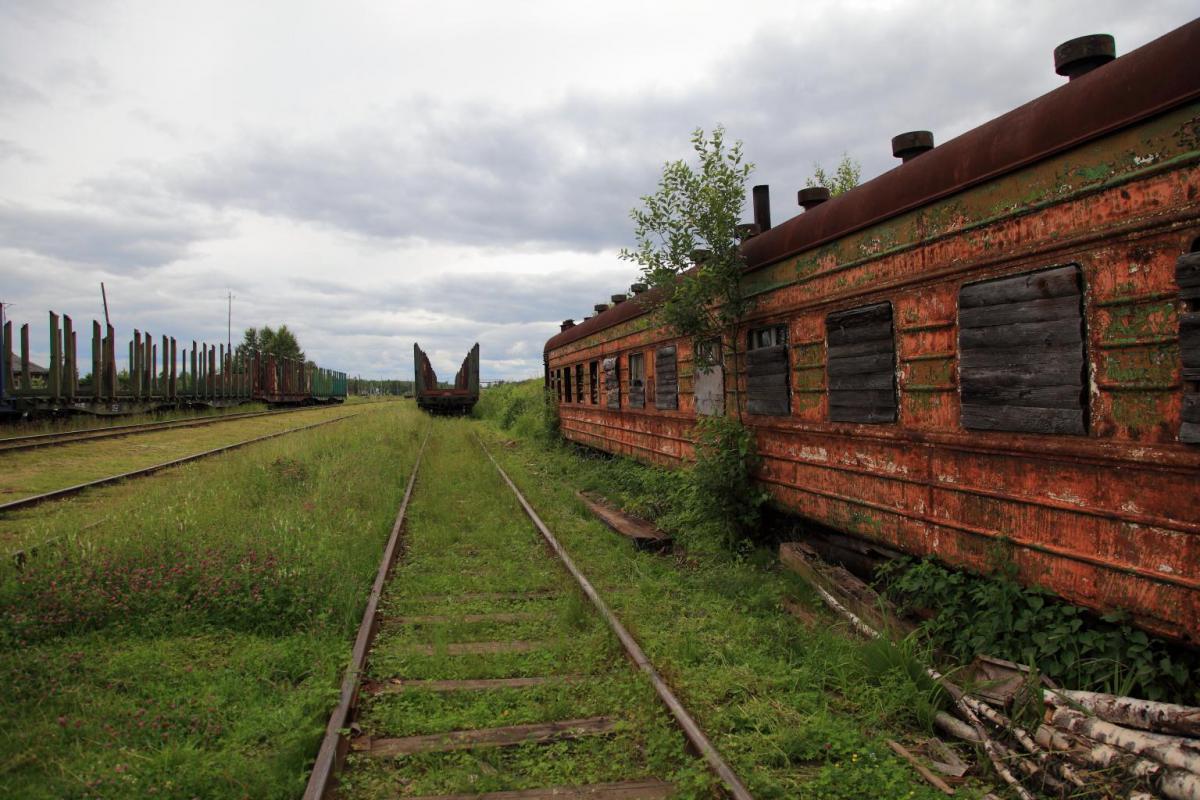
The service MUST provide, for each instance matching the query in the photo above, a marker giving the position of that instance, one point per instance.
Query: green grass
(191, 645)
(799, 710)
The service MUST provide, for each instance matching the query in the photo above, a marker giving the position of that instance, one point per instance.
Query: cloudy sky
(373, 174)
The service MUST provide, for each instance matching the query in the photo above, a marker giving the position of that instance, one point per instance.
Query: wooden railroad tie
(648, 789)
(438, 619)
(476, 648)
(536, 594)
(510, 736)
(466, 685)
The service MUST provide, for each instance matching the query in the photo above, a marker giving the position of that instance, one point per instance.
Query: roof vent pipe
(762, 207)
(908, 146)
(1080, 56)
(617, 299)
(638, 288)
(812, 196)
(567, 323)
(600, 308)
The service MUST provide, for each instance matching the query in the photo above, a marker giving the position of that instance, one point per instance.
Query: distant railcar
(457, 399)
(992, 350)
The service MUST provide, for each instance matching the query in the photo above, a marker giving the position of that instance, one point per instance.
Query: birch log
(1173, 751)
(1131, 712)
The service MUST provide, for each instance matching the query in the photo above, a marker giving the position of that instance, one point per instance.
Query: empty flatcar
(458, 398)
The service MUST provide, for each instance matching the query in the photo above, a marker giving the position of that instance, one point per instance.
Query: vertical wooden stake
(110, 362)
(54, 376)
(10, 386)
(174, 361)
(97, 361)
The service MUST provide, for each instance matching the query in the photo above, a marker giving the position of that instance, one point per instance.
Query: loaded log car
(458, 399)
(992, 348)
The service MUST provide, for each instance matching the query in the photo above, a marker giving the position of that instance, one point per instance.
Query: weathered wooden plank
(863, 398)
(509, 736)
(862, 348)
(1054, 308)
(637, 396)
(1023, 419)
(764, 355)
(1189, 345)
(872, 415)
(1039, 335)
(648, 789)
(476, 648)
(851, 592)
(768, 406)
(1061, 396)
(644, 534)
(1061, 356)
(840, 336)
(1191, 407)
(768, 368)
(612, 383)
(1056, 282)
(882, 379)
(466, 685)
(861, 317)
(666, 395)
(534, 594)
(438, 619)
(1187, 270)
(1024, 375)
(1189, 433)
(861, 364)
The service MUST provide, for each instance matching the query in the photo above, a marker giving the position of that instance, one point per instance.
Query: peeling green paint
(1154, 365)
(1141, 321)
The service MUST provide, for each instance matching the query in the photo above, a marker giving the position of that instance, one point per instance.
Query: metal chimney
(1080, 56)
(762, 207)
(600, 308)
(567, 323)
(812, 196)
(618, 299)
(638, 288)
(908, 146)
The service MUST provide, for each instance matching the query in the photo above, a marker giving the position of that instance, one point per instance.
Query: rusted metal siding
(1109, 519)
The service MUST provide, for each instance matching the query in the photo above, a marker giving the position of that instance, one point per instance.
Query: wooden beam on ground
(510, 736)
(644, 535)
(467, 685)
(649, 789)
(438, 619)
(851, 592)
(477, 648)
(529, 595)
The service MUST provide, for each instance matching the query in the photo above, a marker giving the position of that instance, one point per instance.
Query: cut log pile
(1111, 745)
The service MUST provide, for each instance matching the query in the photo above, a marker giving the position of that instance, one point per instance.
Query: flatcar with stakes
(456, 399)
(992, 350)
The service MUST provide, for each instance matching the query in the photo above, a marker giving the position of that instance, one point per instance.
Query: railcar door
(710, 378)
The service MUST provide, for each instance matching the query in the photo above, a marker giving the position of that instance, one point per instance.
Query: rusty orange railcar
(993, 347)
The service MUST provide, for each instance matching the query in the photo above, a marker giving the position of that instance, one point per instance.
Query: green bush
(523, 409)
(723, 477)
(997, 616)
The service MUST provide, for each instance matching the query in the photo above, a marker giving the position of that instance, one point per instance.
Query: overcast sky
(374, 174)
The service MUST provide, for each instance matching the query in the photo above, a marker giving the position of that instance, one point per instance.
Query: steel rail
(691, 728)
(137, 473)
(35, 440)
(334, 745)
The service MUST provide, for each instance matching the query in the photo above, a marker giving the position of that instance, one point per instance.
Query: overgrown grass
(467, 541)
(802, 711)
(190, 645)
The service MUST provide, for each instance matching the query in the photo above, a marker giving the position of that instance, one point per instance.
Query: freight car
(153, 379)
(457, 399)
(992, 350)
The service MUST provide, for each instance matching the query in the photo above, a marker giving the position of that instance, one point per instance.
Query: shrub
(723, 477)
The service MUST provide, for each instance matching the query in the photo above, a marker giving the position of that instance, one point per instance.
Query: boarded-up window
(1021, 354)
(567, 384)
(709, 378)
(862, 364)
(579, 395)
(594, 382)
(612, 383)
(666, 378)
(1187, 275)
(637, 380)
(767, 371)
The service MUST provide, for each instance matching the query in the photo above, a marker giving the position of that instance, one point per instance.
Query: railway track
(487, 666)
(37, 440)
(67, 491)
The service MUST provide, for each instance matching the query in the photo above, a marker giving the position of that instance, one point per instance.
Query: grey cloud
(12, 151)
(91, 236)
(15, 92)
(566, 175)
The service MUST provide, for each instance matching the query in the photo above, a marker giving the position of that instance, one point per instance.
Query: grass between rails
(470, 550)
(799, 711)
(191, 645)
(26, 473)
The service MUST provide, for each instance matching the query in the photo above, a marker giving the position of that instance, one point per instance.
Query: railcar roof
(1147, 81)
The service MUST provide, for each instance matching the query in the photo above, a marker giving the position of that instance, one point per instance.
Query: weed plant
(190, 643)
